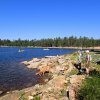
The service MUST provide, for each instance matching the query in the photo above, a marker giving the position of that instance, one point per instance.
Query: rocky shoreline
(61, 82)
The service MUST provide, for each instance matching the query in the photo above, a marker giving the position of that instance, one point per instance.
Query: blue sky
(29, 19)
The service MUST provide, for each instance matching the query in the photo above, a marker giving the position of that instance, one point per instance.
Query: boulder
(57, 82)
(72, 93)
(61, 61)
(30, 98)
(76, 79)
(34, 65)
(25, 63)
(35, 60)
(1, 92)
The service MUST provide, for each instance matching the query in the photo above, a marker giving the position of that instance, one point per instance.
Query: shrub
(73, 71)
(90, 90)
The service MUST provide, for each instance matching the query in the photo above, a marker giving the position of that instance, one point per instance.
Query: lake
(14, 75)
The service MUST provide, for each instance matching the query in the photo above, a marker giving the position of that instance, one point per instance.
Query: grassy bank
(90, 90)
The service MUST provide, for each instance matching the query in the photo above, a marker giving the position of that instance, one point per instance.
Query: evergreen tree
(56, 42)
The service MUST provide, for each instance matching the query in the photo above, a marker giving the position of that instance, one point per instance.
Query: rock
(46, 80)
(72, 93)
(57, 82)
(61, 61)
(65, 64)
(8, 92)
(25, 63)
(49, 88)
(30, 98)
(65, 81)
(43, 97)
(49, 56)
(37, 86)
(76, 79)
(30, 62)
(66, 98)
(59, 68)
(1, 92)
(35, 60)
(34, 65)
(39, 67)
(52, 70)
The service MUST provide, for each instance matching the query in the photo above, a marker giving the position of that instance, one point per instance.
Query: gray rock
(1, 92)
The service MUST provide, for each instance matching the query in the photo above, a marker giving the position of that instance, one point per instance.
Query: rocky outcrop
(59, 85)
(75, 82)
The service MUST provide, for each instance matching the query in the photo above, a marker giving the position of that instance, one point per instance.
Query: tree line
(55, 42)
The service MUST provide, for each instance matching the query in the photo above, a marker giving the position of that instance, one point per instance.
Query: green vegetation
(37, 98)
(73, 56)
(73, 72)
(56, 42)
(63, 92)
(22, 96)
(90, 90)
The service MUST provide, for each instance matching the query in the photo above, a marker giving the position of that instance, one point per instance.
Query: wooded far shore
(67, 42)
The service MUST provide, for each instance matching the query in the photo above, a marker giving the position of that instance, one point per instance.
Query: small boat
(45, 49)
(21, 50)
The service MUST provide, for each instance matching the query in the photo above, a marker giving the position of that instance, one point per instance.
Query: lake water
(14, 75)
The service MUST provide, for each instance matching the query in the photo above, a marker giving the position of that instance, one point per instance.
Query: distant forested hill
(56, 42)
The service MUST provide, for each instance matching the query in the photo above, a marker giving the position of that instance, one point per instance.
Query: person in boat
(20, 50)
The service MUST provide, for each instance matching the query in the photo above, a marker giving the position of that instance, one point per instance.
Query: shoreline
(56, 80)
(62, 78)
(95, 48)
